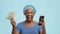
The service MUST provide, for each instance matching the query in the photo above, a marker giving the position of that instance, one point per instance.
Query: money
(10, 15)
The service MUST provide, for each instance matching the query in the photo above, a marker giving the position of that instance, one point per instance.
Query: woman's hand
(42, 23)
(13, 23)
(43, 27)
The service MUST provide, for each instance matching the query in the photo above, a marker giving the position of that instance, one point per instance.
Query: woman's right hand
(13, 23)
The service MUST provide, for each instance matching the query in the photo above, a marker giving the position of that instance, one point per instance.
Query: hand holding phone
(41, 20)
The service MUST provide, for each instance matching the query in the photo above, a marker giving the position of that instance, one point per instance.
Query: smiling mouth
(29, 18)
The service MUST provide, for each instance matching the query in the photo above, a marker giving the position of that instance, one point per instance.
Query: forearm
(44, 30)
(13, 30)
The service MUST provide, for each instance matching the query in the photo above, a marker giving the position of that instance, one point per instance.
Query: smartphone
(41, 19)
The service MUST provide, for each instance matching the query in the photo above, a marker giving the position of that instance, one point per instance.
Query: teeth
(30, 17)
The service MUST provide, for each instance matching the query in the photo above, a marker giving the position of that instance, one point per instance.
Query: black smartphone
(41, 19)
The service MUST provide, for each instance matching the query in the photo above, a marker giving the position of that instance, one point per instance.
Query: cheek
(29, 16)
(33, 15)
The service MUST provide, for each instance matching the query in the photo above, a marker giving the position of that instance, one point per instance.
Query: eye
(27, 12)
(32, 12)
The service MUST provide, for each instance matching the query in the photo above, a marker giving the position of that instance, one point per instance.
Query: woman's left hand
(42, 23)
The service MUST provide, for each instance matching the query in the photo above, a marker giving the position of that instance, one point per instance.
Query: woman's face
(29, 14)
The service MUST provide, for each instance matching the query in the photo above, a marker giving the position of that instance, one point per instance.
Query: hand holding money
(11, 17)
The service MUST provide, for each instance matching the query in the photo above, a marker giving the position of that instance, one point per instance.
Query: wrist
(13, 26)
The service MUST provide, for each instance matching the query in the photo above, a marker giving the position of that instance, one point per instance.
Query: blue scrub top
(22, 29)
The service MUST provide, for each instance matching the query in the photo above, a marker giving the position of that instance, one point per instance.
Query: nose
(29, 15)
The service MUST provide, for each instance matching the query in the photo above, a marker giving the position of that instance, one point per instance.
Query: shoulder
(20, 24)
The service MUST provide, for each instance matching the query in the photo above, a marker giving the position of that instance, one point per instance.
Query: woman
(28, 26)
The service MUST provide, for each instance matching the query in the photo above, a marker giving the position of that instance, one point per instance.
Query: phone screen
(41, 18)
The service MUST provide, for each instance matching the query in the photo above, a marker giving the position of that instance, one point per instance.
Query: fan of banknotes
(10, 15)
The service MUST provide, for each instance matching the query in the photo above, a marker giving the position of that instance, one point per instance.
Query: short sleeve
(18, 28)
(40, 29)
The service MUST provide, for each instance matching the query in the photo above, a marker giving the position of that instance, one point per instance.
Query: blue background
(49, 8)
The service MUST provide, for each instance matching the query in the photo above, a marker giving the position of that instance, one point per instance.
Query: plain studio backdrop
(49, 8)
